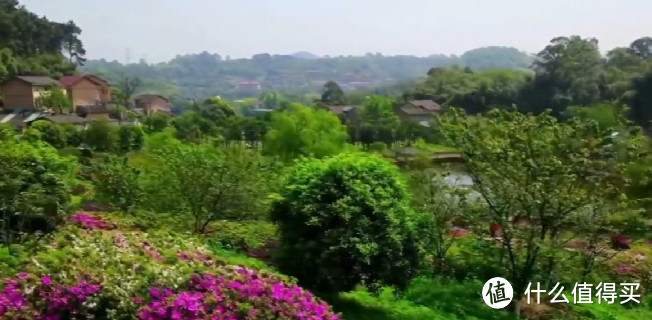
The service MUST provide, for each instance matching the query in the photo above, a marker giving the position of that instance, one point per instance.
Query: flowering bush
(89, 221)
(23, 298)
(118, 274)
(245, 296)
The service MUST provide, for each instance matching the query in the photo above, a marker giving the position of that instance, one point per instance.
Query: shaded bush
(33, 187)
(117, 183)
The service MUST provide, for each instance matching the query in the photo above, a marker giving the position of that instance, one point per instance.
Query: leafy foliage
(345, 221)
(33, 44)
(303, 131)
(102, 136)
(55, 99)
(33, 189)
(207, 182)
(118, 183)
(539, 178)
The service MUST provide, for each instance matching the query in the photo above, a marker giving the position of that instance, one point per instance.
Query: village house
(22, 118)
(86, 90)
(249, 86)
(105, 87)
(420, 111)
(22, 92)
(149, 104)
(67, 118)
(348, 114)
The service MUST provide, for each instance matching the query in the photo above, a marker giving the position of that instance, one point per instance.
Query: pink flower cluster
(197, 256)
(120, 240)
(459, 232)
(89, 221)
(244, 296)
(625, 269)
(46, 301)
(151, 251)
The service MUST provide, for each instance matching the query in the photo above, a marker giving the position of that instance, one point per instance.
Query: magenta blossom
(89, 221)
(46, 280)
(215, 297)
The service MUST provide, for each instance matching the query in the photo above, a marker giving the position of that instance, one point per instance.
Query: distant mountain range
(208, 74)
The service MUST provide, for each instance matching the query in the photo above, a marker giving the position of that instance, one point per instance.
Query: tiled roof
(426, 104)
(149, 97)
(70, 80)
(414, 110)
(65, 118)
(73, 80)
(341, 109)
(94, 109)
(39, 80)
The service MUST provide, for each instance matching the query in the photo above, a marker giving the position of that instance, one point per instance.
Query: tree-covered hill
(30, 44)
(205, 74)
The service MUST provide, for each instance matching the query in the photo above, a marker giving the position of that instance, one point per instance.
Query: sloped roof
(96, 78)
(65, 118)
(149, 97)
(426, 104)
(414, 110)
(94, 109)
(69, 81)
(341, 109)
(39, 80)
(19, 117)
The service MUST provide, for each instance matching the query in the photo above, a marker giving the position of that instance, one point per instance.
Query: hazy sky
(160, 29)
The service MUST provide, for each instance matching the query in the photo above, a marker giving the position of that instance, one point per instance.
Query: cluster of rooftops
(91, 97)
(418, 111)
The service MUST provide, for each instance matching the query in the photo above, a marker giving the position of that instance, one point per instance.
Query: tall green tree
(568, 72)
(378, 121)
(126, 88)
(304, 131)
(332, 94)
(642, 48)
(641, 101)
(207, 183)
(542, 173)
(8, 64)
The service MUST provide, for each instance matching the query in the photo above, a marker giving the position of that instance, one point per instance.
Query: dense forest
(205, 74)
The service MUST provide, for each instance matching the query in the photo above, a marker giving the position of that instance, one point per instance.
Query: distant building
(249, 86)
(149, 104)
(348, 114)
(69, 118)
(419, 111)
(22, 92)
(86, 90)
(257, 112)
(360, 85)
(22, 118)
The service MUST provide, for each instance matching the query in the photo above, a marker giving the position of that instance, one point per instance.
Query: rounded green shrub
(345, 221)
